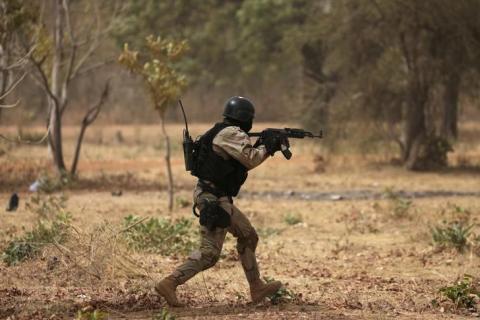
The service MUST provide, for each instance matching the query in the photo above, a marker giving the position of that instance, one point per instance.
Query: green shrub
(163, 315)
(182, 202)
(292, 219)
(47, 207)
(31, 243)
(400, 206)
(50, 184)
(452, 235)
(159, 235)
(91, 315)
(462, 293)
(283, 295)
(268, 232)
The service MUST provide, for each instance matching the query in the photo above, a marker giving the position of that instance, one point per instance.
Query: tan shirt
(234, 142)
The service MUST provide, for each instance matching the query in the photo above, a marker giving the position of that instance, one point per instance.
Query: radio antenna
(184, 116)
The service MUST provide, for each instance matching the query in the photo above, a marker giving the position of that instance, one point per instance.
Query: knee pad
(248, 242)
(209, 258)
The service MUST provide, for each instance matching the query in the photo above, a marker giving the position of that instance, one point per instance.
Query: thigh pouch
(212, 215)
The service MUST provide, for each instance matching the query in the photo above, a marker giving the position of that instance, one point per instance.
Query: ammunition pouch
(212, 215)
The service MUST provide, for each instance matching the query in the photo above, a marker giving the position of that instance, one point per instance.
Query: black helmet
(240, 109)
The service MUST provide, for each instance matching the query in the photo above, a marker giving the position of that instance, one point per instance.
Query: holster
(212, 215)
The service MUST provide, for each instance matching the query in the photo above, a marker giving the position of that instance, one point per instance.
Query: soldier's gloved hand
(272, 142)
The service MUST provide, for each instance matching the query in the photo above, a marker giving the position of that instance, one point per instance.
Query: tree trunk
(73, 169)
(415, 128)
(168, 164)
(55, 121)
(449, 128)
(5, 74)
(88, 119)
(3, 87)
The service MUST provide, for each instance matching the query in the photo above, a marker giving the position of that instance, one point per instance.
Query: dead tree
(72, 55)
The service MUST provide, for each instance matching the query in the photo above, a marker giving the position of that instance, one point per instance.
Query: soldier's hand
(272, 142)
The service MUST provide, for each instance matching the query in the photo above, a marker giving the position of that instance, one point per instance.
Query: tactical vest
(227, 175)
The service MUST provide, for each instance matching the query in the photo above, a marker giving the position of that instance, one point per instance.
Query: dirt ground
(344, 259)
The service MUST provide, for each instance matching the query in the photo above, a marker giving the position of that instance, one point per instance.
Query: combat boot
(259, 290)
(166, 288)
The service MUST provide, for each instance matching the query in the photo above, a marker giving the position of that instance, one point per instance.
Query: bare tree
(72, 54)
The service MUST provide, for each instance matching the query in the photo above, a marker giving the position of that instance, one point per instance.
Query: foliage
(157, 69)
(163, 315)
(394, 64)
(463, 293)
(400, 206)
(182, 202)
(50, 184)
(47, 207)
(29, 245)
(455, 234)
(283, 295)
(91, 315)
(161, 236)
(292, 219)
(239, 38)
(51, 228)
(267, 232)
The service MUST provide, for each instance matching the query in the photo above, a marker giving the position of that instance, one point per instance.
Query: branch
(73, 54)
(44, 80)
(93, 45)
(21, 62)
(93, 112)
(9, 106)
(94, 67)
(13, 86)
(95, 42)
(90, 116)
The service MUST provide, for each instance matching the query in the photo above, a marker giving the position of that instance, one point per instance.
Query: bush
(47, 207)
(51, 227)
(400, 207)
(31, 244)
(292, 219)
(463, 293)
(159, 235)
(53, 184)
(91, 315)
(455, 235)
(163, 315)
(268, 232)
(283, 295)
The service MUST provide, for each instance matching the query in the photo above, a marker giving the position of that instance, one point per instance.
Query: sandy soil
(346, 259)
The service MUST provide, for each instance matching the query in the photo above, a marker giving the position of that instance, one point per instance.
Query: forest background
(398, 76)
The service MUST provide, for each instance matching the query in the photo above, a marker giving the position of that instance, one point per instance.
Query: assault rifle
(283, 135)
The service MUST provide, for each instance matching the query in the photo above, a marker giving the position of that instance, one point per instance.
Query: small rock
(117, 193)
(336, 197)
(13, 202)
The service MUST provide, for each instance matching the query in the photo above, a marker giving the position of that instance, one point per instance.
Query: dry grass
(344, 260)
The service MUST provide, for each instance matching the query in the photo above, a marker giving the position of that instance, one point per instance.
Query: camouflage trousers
(211, 243)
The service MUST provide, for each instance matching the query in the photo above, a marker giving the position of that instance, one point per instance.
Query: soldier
(225, 154)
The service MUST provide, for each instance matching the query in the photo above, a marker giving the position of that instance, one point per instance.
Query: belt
(209, 187)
